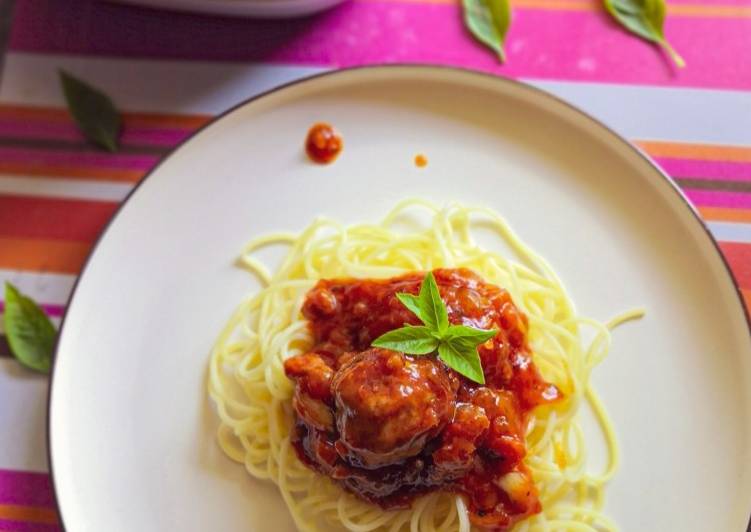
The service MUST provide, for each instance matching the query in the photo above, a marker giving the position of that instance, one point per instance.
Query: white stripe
(23, 409)
(730, 232)
(646, 113)
(63, 188)
(44, 288)
(636, 112)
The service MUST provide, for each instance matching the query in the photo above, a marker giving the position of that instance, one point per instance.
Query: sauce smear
(389, 427)
(323, 144)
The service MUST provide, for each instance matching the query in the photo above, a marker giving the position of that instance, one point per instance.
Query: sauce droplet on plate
(323, 144)
(421, 161)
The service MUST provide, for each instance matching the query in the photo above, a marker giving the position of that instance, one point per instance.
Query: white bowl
(242, 8)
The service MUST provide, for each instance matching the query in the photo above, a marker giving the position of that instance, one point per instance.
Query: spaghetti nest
(253, 396)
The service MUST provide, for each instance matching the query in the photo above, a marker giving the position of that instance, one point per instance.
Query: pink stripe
(68, 132)
(18, 526)
(716, 198)
(78, 159)
(51, 310)
(543, 44)
(22, 488)
(712, 170)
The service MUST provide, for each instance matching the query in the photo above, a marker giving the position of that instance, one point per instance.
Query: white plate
(245, 8)
(132, 431)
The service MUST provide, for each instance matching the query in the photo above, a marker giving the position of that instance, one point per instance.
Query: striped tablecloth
(170, 73)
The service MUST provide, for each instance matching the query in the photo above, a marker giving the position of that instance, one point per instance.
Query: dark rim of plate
(383, 67)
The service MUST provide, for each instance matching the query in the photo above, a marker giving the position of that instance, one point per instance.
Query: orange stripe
(28, 514)
(653, 148)
(57, 114)
(719, 214)
(26, 112)
(592, 5)
(37, 168)
(687, 10)
(709, 152)
(747, 298)
(43, 255)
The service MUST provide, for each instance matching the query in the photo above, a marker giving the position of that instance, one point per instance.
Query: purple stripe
(54, 311)
(69, 132)
(25, 489)
(93, 158)
(542, 44)
(18, 526)
(716, 198)
(698, 169)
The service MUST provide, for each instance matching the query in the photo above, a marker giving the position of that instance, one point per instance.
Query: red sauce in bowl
(389, 426)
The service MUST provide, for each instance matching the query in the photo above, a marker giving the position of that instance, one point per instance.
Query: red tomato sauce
(389, 427)
(323, 144)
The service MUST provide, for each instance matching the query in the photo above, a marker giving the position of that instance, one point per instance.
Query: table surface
(170, 73)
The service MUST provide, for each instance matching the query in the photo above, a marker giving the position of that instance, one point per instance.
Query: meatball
(505, 436)
(388, 405)
(455, 457)
(313, 374)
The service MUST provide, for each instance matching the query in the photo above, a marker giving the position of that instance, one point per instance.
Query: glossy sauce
(323, 144)
(390, 426)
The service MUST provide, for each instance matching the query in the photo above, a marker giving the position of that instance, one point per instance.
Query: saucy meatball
(388, 405)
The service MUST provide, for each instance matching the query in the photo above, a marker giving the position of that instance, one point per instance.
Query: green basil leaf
(469, 334)
(410, 340)
(93, 111)
(456, 344)
(488, 21)
(31, 335)
(432, 310)
(646, 19)
(462, 360)
(412, 302)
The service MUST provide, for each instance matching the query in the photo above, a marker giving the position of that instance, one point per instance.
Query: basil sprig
(489, 21)
(646, 19)
(93, 111)
(31, 335)
(456, 344)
